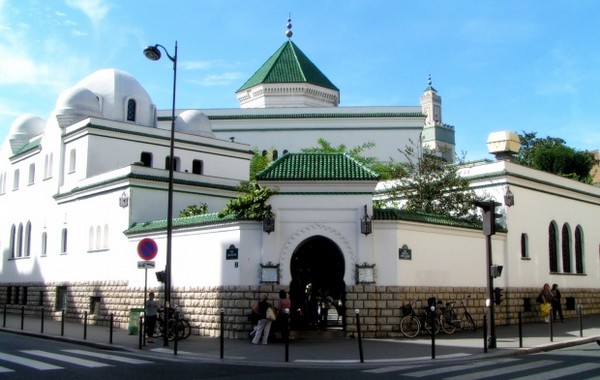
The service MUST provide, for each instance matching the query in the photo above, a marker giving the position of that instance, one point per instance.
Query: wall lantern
(366, 224)
(269, 223)
(124, 200)
(509, 198)
(269, 273)
(365, 274)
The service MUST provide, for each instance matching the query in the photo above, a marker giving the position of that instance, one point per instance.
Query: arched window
(553, 247)
(105, 237)
(131, 110)
(566, 248)
(72, 160)
(27, 242)
(16, 180)
(285, 151)
(264, 153)
(91, 239)
(31, 174)
(275, 154)
(48, 166)
(44, 243)
(579, 249)
(146, 159)
(63, 241)
(98, 237)
(198, 167)
(524, 246)
(13, 231)
(20, 240)
(175, 163)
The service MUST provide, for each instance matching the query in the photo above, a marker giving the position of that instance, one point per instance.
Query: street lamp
(153, 54)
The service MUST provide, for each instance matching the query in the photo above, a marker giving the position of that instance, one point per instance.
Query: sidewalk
(327, 351)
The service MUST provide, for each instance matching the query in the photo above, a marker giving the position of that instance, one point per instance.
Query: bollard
(286, 332)
(485, 334)
(110, 331)
(22, 317)
(551, 326)
(62, 322)
(4, 317)
(580, 322)
(360, 348)
(141, 333)
(85, 313)
(222, 338)
(520, 330)
(42, 322)
(432, 322)
(176, 332)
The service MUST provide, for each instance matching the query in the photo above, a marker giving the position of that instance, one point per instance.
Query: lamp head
(152, 53)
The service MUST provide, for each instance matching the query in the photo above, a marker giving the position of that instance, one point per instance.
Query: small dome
(78, 100)
(194, 122)
(23, 129)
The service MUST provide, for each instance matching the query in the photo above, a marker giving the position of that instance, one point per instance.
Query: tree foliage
(552, 155)
(251, 202)
(431, 185)
(194, 210)
(260, 162)
(325, 146)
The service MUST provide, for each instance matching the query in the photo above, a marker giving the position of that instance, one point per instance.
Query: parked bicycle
(451, 319)
(176, 325)
(412, 324)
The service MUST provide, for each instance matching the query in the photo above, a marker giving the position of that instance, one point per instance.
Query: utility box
(134, 320)
(570, 303)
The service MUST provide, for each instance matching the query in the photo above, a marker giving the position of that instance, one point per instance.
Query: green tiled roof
(182, 222)
(317, 167)
(288, 65)
(410, 216)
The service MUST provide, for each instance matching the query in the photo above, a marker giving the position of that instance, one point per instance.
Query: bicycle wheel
(432, 325)
(410, 326)
(185, 329)
(446, 323)
(158, 330)
(467, 323)
(172, 329)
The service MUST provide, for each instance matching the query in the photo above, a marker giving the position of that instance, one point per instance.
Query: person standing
(283, 312)
(545, 301)
(264, 325)
(556, 307)
(150, 316)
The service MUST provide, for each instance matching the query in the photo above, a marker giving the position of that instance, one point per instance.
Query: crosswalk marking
(4, 370)
(460, 367)
(562, 372)
(65, 358)
(503, 370)
(28, 362)
(100, 355)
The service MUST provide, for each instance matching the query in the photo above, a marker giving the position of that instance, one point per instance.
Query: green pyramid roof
(315, 167)
(288, 65)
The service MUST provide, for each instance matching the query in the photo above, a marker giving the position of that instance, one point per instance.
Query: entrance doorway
(317, 290)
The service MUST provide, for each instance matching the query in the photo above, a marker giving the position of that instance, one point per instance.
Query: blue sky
(514, 65)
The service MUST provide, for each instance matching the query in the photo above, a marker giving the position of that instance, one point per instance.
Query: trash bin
(134, 320)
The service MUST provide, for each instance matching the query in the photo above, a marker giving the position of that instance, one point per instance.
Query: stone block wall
(379, 307)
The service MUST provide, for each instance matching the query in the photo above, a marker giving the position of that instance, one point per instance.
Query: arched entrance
(317, 268)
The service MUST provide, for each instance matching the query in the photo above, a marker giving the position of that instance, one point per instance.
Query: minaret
(437, 136)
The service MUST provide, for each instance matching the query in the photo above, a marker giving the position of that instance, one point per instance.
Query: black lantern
(366, 225)
(509, 198)
(269, 223)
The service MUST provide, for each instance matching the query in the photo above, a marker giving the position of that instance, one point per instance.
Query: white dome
(194, 122)
(78, 100)
(23, 129)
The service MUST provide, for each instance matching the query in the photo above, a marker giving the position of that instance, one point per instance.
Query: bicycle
(450, 320)
(176, 325)
(412, 324)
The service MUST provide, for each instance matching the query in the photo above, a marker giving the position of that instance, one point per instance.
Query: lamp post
(153, 54)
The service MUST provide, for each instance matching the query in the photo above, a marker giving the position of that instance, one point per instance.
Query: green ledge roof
(181, 222)
(417, 217)
(288, 65)
(317, 167)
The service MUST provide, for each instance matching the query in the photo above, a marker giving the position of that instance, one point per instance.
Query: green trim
(409, 216)
(305, 115)
(211, 219)
(27, 148)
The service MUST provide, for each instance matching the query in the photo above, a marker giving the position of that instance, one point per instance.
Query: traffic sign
(147, 249)
(146, 264)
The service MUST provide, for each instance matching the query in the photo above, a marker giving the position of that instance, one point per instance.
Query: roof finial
(288, 32)
(429, 82)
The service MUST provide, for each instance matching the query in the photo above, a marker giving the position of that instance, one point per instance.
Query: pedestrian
(264, 325)
(253, 317)
(150, 316)
(556, 307)
(283, 312)
(545, 301)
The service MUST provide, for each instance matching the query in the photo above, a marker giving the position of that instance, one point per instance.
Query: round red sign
(147, 249)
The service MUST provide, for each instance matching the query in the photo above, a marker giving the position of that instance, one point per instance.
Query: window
(63, 241)
(175, 163)
(16, 180)
(72, 160)
(8, 295)
(95, 303)
(31, 174)
(146, 159)
(98, 238)
(524, 246)
(27, 242)
(13, 232)
(24, 296)
(19, 250)
(275, 154)
(48, 166)
(105, 237)
(553, 247)
(198, 167)
(44, 243)
(16, 299)
(131, 110)
(61, 298)
(579, 249)
(566, 248)
(91, 239)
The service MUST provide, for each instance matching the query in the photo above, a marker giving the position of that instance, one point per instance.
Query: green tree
(431, 185)
(552, 155)
(194, 210)
(251, 202)
(259, 162)
(325, 146)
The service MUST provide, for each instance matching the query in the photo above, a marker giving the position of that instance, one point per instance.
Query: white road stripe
(562, 372)
(453, 368)
(67, 359)
(4, 370)
(100, 355)
(28, 362)
(503, 370)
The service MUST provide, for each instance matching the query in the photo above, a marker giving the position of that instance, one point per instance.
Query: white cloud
(218, 79)
(195, 65)
(95, 10)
